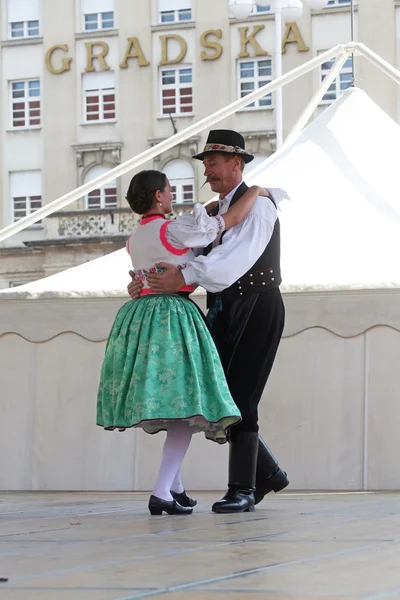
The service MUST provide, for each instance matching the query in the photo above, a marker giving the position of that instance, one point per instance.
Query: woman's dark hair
(142, 188)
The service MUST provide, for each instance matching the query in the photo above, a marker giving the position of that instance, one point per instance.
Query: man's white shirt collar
(227, 199)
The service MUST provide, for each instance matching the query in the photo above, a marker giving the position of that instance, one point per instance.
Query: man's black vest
(264, 275)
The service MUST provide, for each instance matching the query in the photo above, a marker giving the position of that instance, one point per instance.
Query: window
(104, 197)
(260, 9)
(338, 2)
(254, 74)
(23, 18)
(341, 83)
(99, 96)
(26, 193)
(96, 21)
(174, 11)
(181, 177)
(23, 29)
(173, 16)
(98, 14)
(176, 91)
(25, 103)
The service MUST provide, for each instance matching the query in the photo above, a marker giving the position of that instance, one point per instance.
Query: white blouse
(195, 229)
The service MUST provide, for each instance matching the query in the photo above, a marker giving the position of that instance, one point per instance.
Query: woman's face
(165, 199)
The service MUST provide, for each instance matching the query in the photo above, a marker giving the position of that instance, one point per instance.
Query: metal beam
(151, 153)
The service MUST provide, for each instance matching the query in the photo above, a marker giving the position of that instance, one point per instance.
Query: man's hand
(135, 287)
(168, 282)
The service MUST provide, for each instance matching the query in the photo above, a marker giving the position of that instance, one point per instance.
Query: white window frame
(337, 82)
(103, 197)
(332, 3)
(29, 201)
(180, 11)
(28, 198)
(26, 101)
(256, 79)
(99, 21)
(180, 174)
(25, 13)
(261, 10)
(26, 26)
(93, 173)
(101, 90)
(179, 193)
(177, 87)
(176, 16)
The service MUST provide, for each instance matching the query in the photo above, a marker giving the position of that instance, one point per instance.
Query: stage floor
(105, 546)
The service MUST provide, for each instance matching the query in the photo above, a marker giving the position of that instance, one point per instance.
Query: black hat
(225, 140)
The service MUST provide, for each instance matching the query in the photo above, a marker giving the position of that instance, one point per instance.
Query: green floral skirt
(161, 365)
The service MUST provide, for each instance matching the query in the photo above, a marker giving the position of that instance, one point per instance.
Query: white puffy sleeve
(241, 247)
(194, 229)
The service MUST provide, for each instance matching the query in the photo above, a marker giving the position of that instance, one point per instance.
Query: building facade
(88, 84)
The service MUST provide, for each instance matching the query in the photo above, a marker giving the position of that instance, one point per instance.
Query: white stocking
(176, 444)
(177, 485)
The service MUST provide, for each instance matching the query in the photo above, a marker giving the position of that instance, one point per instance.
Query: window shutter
(99, 80)
(97, 6)
(174, 4)
(178, 169)
(25, 183)
(23, 10)
(96, 172)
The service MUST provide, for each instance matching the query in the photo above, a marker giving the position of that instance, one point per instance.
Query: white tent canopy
(341, 228)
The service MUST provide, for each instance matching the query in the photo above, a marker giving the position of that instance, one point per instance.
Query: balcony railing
(112, 222)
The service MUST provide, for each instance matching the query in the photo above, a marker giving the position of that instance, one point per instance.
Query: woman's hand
(261, 191)
(135, 287)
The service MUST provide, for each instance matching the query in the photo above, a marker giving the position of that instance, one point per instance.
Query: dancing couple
(166, 367)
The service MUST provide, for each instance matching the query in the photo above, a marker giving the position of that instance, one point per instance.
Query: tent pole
(317, 97)
(170, 142)
(379, 62)
(353, 76)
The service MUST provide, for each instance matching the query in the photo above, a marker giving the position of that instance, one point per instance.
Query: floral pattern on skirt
(161, 364)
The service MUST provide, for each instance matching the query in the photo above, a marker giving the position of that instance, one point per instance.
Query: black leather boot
(243, 448)
(269, 476)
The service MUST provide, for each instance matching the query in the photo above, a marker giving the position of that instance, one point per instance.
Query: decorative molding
(114, 148)
(22, 42)
(184, 151)
(173, 26)
(328, 10)
(102, 33)
(95, 154)
(260, 142)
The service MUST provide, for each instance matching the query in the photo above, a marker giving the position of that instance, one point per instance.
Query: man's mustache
(210, 180)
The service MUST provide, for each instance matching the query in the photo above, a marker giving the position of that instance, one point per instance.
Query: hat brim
(246, 157)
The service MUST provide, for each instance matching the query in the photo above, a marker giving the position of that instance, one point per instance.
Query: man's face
(221, 171)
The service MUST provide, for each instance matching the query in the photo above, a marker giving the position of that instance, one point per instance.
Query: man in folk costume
(241, 274)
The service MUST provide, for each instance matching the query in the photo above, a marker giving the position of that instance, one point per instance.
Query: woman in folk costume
(161, 369)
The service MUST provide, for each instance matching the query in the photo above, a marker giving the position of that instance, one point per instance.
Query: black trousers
(247, 333)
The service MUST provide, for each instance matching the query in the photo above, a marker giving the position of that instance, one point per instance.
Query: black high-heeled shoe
(157, 506)
(184, 499)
